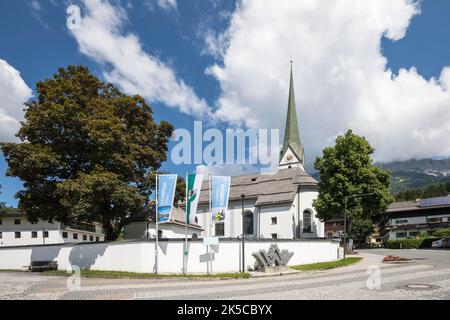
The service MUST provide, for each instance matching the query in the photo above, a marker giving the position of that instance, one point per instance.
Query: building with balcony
(16, 230)
(410, 219)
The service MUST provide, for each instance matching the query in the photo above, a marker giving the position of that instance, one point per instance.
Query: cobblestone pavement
(427, 281)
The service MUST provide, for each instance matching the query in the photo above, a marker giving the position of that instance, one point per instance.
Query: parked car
(443, 243)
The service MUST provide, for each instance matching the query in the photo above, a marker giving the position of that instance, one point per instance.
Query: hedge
(410, 243)
(443, 233)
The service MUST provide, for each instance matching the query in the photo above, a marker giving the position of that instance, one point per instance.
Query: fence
(139, 256)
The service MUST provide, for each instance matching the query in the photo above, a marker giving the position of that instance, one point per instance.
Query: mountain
(417, 173)
(413, 174)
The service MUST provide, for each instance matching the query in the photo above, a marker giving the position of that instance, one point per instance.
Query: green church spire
(292, 135)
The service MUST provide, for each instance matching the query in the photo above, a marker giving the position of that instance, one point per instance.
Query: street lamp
(243, 233)
(345, 213)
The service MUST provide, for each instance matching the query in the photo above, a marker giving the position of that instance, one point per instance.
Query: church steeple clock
(292, 153)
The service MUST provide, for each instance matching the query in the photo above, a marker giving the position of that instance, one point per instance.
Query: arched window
(307, 221)
(248, 222)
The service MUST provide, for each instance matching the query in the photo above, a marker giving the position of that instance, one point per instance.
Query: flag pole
(212, 220)
(185, 253)
(156, 223)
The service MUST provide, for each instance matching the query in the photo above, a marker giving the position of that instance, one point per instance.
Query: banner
(220, 192)
(166, 194)
(194, 185)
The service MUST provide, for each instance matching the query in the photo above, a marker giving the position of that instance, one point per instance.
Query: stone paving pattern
(431, 268)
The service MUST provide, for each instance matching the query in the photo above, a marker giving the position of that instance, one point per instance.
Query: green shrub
(441, 233)
(410, 243)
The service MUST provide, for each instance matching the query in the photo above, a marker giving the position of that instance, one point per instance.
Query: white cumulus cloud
(127, 64)
(341, 76)
(168, 5)
(14, 92)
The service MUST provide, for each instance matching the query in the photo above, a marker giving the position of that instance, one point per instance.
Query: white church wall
(233, 221)
(284, 227)
(138, 256)
(307, 195)
(288, 217)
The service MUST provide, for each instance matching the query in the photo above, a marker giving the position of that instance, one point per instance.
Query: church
(275, 206)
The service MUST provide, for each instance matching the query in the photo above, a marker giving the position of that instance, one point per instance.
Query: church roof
(292, 134)
(279, 187)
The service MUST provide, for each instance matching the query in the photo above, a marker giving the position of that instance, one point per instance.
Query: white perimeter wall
(140, 256)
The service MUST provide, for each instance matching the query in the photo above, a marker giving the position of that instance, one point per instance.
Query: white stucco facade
(139, 256)
(142, 230)
(18, 231)
(281, 221)
(401, 232)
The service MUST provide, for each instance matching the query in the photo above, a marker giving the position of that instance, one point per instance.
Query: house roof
(414, 206)
(278, 187)
(13, 213)
(178, 217)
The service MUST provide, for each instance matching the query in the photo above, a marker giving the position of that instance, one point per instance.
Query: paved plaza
(426, 278)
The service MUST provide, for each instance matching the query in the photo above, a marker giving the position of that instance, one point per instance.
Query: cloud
(167, 5)
(341, 75)
(125, 62)
(226, 170)
(13, 94)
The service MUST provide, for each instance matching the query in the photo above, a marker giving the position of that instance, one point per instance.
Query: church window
(307, 222)
(248, 222)
(220, 229)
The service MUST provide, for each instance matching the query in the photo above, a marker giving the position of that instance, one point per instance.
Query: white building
(410, 219)
(277, 205)
(16, 230)
(173, 229)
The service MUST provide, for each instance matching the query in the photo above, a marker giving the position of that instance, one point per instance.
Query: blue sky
(35, 41)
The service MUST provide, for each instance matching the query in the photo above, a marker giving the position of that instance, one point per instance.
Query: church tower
(292, 154)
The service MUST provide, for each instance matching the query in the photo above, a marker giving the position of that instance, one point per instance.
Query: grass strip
(328, 265)
(122, 274)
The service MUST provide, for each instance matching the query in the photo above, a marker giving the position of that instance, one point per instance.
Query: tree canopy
(2, 204)
(347, 170)
(360, 229)
(87, 152)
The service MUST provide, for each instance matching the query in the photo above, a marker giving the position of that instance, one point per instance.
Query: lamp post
(345, 213)
(243, 234)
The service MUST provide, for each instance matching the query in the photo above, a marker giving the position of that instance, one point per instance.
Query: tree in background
(87, 152)
(180, 190)
(347, 170)
(432, 191)
(2, 204)
(360, 230)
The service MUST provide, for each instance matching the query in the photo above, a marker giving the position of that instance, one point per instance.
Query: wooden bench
(39, 266)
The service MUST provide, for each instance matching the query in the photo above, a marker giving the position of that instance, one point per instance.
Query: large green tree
(347, 170)
(87, 152)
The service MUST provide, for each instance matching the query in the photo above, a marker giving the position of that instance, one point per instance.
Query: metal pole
(185, 253)
(243, 234)
(345, 224)
(156, 228)
(209, 229)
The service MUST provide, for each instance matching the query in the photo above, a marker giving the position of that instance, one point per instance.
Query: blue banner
(220, 192)
(166, 193)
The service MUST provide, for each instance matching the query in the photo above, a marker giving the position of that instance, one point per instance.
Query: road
(426, 278)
